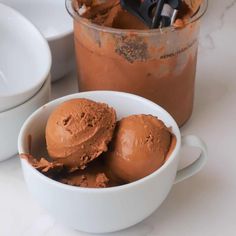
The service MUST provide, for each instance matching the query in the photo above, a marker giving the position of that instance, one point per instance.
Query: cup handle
(196, 166)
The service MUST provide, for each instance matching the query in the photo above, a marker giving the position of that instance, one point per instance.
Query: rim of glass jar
(69, 6)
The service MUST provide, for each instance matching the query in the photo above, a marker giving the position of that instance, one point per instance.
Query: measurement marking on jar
(181, 50)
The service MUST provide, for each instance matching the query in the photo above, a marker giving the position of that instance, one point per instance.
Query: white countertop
(201, 205)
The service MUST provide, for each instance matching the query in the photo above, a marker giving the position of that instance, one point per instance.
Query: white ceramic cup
(109, 209)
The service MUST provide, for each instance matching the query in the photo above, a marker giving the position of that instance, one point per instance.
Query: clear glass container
(158, 64)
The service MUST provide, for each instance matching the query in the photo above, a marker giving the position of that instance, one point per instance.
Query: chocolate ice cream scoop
(78, 131)
(86, 180)
(91, 177)
(139, 147)
(95, 175)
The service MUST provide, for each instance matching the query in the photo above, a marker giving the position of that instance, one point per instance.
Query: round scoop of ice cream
(86, 180)
(139, 147)
(95, 175)
(78, 131)
(92, 176)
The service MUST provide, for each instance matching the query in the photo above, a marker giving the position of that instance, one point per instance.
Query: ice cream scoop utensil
(154, 13)
(165, 13)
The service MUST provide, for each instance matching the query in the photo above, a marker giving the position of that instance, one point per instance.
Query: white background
(202, 205)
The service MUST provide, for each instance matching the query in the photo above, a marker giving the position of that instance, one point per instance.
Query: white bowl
(12, 120)
(25, 58)
(110, 209)
(52, 19)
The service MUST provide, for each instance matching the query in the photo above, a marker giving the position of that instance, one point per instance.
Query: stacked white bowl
(25, 63)
(53, 21)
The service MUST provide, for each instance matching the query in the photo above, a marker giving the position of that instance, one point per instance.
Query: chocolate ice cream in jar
(117, 51)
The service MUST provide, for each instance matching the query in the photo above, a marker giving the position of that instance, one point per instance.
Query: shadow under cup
(159, 64)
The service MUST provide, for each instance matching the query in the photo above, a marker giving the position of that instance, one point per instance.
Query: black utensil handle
(157, 16)
(143, 9)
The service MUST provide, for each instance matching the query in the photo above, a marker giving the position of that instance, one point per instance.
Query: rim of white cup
(46, 72)
(173, 154)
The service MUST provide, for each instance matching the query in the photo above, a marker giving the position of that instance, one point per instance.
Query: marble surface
(201, 205)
